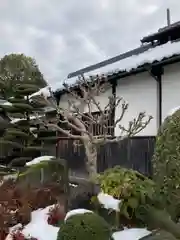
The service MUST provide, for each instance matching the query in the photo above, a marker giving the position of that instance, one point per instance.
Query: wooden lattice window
(98, 127)
(95, 128)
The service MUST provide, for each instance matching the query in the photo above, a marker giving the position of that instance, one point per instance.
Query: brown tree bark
(91, 157)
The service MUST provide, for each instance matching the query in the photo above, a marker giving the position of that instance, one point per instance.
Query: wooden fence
(135, 153)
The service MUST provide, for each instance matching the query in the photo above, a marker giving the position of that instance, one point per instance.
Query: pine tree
(23, 135)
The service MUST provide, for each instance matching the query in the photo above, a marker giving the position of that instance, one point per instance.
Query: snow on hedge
(131, 234)
(76, 212)
(15, 120)
(45, 92)
(39, 159)
(40, 229)
(173, 110)
(6, 103)
(108, 201)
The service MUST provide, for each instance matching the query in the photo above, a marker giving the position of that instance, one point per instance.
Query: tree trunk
(91, 157)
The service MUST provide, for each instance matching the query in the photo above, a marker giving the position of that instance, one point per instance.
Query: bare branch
(67, 133)
(82, 122)
(78, 126)
(59, 129)
(79, 117)
(135, 126)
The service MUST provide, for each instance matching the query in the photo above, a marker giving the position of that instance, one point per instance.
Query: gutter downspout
(156, 73)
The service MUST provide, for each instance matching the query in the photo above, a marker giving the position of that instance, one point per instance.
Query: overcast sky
(65, 35)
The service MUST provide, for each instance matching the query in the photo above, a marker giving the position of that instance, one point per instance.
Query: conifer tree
(23, 134)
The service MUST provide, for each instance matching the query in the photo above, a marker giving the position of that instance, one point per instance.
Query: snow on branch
(76, 123)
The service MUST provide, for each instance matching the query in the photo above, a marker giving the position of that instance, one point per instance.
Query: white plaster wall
(102, 99)
(170, 88)
(64, 100)
(140, 92)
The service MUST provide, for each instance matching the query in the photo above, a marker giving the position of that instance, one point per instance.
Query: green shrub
(131, 187)
(166, 161)
(88, 226)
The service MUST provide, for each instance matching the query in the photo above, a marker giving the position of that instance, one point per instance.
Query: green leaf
(18, 133)
(13, 144)
(19, 162)
(133, 202)
(33, 148)
(18, 68)
(17, 100)
(26, 86)
(26, 92)
(51, 139)
(10, 108)
(23, 106)
(124, 211)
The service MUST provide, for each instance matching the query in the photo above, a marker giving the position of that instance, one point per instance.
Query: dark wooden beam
(157, 73)
(113, 114)
(159, 100)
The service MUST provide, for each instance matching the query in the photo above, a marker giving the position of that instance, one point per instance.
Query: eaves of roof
(142, 68)
(145, 67)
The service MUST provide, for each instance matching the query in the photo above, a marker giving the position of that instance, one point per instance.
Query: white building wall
(170, 88)
(65, 99)
(102, 99)
(140, 92)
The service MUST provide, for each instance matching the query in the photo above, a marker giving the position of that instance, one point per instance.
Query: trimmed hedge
(88, 226)
(166, 162)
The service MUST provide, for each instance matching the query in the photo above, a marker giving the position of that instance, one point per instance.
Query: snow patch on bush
(76, 212)
(39, 159)
(108, 201)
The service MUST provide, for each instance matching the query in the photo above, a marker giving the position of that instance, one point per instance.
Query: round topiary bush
(166, 162)
(88, 226)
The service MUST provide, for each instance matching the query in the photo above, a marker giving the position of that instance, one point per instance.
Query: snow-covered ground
(40, 229)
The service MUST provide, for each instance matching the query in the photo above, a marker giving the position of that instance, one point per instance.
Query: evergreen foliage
(141, 200)
(129, 186)
(166, 163)
(16, 68)
(85, 226)
(22, 137)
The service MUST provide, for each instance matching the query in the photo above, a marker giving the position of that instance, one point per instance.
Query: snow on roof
(153, 54)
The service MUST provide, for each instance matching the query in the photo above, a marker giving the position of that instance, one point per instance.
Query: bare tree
(79, 123)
